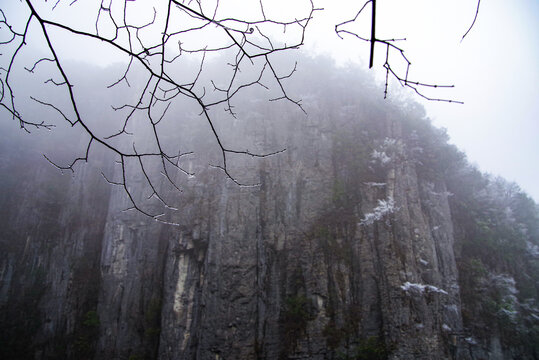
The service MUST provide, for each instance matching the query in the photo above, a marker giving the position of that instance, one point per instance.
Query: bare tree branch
(416, 86)
(156, 56)
(474, 19)
(155, 45)
(373, 33)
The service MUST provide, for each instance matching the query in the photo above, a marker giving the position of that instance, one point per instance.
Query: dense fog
(235, 207)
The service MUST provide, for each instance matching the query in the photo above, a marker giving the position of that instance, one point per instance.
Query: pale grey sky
(495, 70)
(497, 74)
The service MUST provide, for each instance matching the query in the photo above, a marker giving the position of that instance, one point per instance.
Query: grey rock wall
(343, 250)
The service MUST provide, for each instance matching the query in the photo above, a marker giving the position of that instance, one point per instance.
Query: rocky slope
(360, 242)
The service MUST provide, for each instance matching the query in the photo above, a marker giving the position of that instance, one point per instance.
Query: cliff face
(348, 249)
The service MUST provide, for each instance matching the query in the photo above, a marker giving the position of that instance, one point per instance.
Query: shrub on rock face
(297, 312)
(371, 348)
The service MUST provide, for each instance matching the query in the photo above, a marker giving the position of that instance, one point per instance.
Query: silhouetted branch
(402, 79)
(405, 82)
(474, 19)
(156, 55)
(70, 166)
(37, 62)
(154, 48)
(373, 32)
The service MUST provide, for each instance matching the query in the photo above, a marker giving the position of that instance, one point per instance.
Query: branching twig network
(391, 48)
(155, 44)
(249, 42)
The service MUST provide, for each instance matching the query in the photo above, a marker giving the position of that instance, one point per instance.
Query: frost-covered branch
(384, 208)
(421, 288)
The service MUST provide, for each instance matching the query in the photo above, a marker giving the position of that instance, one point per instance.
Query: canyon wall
(347, 247)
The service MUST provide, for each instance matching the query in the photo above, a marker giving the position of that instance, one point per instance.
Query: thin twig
(474, 19)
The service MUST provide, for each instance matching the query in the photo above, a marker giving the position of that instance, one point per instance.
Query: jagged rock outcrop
(348, 249)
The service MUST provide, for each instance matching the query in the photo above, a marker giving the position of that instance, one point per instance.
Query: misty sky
(495, 68)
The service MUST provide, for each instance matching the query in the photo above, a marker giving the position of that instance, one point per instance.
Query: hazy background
(495, 68)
